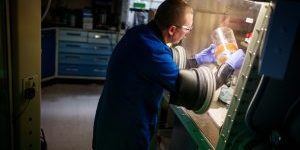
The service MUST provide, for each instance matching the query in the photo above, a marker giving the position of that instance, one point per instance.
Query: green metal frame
(235, 131)
(191, 127)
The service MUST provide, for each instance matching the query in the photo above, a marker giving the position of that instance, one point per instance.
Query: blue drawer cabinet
(76, 53)
(102, 38)
(72, 35)
(66, 58)
(82, 70)
(85, 48)
(48, 53)
(84, 54)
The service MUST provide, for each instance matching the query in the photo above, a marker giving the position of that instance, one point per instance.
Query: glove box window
(214, 125)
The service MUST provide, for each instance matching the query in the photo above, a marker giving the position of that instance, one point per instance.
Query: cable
(46, 10)
(28, 95)
(22, 112)
(254, 103)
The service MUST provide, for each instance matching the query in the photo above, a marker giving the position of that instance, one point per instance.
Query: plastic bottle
(225, 42)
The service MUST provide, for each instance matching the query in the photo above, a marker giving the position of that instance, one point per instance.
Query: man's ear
(171, 30)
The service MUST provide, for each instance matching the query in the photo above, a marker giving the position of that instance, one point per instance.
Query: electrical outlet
(30, 86)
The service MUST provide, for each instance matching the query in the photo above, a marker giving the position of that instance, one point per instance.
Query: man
(140, 67)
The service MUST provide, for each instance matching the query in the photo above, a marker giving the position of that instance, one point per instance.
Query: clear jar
(225, 42)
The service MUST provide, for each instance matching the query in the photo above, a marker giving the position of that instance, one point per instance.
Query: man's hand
(236, 59)
(207, 55)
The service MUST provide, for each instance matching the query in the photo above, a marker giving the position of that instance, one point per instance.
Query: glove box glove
(236, 59)
(195, 89)
(187, 89)
(207, 55)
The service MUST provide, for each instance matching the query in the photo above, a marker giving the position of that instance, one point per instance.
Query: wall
(26, 62)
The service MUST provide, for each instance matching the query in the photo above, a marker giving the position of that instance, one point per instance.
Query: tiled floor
(67, 115)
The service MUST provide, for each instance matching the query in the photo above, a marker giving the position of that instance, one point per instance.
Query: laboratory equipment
(225, 42)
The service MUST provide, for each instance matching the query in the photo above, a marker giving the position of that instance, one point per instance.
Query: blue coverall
(140, 67)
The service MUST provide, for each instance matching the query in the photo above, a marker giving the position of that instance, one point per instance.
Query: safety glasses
(187, 28)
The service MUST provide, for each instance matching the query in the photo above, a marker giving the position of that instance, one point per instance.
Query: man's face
(184, 29)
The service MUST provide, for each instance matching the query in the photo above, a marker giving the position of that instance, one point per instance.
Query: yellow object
(223, 51)
(225, 41)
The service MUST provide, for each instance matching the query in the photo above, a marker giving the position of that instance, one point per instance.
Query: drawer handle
(103, 36)
(98, 70)
(72, 57)
(101, 59)
(72, 69)
(73, 34)
(72, 45)
(101, 47)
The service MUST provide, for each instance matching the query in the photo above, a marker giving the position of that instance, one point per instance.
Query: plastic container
(225, 42)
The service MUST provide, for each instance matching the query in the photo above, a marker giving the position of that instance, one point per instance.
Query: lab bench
(76, 53)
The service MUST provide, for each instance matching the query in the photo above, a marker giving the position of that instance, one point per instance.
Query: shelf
(139, 10)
